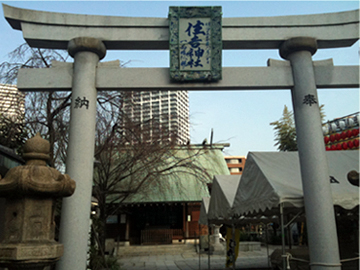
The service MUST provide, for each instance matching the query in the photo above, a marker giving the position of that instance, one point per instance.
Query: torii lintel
(54, 30)
(109, 76)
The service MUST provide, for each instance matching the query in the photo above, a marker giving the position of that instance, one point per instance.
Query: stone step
(155, 250)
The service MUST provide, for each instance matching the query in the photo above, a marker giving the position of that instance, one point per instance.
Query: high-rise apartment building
(12, 102)
(12, 113)
(164, 115)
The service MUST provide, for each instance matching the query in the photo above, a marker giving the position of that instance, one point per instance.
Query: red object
(355, 132)
(344, 145)
(326, 139)
(356, 143)
(333, 147)
(328, 148)
(350, 144)
(338, 146)
(332, 137)
(343, 135)
(337, 137)
(349, 133)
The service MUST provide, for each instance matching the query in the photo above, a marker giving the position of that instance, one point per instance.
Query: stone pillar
(320, 217)
(75, 216)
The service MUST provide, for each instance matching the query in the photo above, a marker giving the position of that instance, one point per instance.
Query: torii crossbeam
(296, 37)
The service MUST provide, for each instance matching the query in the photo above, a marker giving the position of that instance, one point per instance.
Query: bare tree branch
(128, 160)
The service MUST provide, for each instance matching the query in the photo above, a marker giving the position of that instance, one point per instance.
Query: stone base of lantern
(30, 255)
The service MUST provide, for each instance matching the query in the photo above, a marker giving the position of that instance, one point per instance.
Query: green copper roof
(181, 184)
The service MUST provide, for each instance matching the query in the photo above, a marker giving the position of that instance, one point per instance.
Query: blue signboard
(195, 43)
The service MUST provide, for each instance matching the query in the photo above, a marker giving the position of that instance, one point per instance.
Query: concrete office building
(163, 114)
(235, 164)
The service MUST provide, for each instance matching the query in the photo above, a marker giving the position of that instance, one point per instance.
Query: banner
(232, 246)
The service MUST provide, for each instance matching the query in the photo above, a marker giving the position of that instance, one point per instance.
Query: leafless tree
(45, 112)
(131, 164)
(128, 160)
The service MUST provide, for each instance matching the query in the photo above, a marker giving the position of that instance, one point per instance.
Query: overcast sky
(240, 118)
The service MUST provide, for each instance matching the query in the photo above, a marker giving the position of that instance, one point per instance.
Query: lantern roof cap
(36, 148)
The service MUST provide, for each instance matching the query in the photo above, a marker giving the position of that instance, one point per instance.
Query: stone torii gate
(88, 37)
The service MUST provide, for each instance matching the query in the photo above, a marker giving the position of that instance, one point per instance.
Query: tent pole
(288, 229)
(233, 237)
(208, 245)
(267, 244)
(282, 235)
(293, 219)
(199, 247)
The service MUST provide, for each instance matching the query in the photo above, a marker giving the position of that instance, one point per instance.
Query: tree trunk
(101, 230)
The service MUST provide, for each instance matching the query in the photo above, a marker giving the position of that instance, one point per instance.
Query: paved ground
(182, 256)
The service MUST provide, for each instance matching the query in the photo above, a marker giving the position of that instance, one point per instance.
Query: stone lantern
(30, 193)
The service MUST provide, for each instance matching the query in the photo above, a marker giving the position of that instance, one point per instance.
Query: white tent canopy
(271, 178)
(223, 193)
